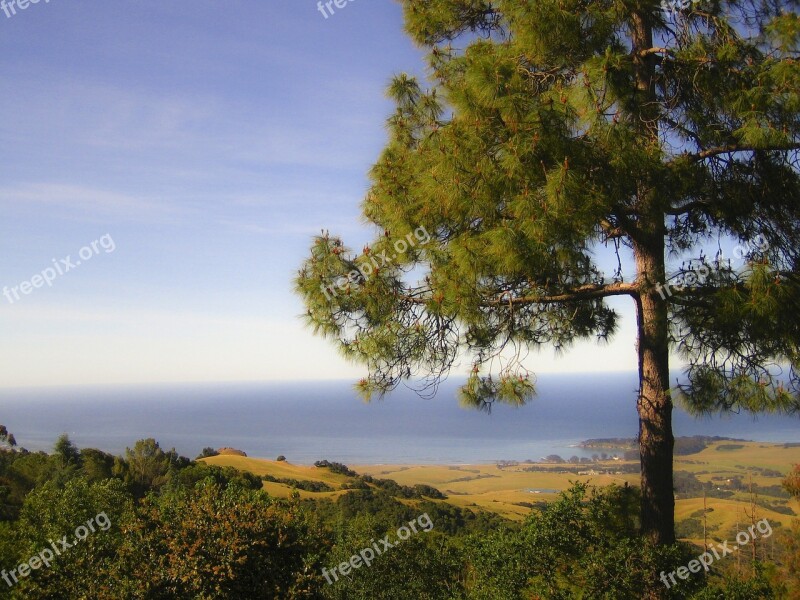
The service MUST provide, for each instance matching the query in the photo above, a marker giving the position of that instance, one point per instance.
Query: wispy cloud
(82, 203)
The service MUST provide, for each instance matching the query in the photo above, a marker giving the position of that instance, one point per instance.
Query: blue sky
(210, 141)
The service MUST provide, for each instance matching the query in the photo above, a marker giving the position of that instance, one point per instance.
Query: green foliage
(404, 491)
(790, 540)
(97, 465)
(558, 136)
(191, 475)
(363, 482)
(148, 466)
(792, 482)
(549, 131)
(207, 452)
(308, 486)
(687, 485)
(335, 467)
(21, 472)
(67, 452)
(378, 503)
(498, 565)
(690, 528)
(221, 542)
(425, 566)
(580, 546)
(209, 532)
(729, 447)
(88, 568)
(757, 587)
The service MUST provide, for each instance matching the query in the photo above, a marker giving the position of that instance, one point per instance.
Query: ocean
(310, 421)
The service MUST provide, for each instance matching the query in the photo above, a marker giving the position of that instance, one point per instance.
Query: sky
(184, 154)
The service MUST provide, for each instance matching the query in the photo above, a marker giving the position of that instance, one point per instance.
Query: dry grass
(505, 491)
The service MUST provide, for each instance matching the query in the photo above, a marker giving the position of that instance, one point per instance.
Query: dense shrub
(335, 467)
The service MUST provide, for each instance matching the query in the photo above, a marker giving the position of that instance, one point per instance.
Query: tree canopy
(566, 152)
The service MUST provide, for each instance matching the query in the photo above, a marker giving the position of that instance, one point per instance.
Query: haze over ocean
(308, 421)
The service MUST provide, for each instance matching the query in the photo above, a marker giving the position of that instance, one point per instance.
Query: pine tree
(557, 132)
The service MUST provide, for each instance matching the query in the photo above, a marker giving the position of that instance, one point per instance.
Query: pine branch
(732, 148)
(611, 231)
(592, 291)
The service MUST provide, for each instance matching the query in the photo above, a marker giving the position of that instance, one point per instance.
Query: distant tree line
(391, 486)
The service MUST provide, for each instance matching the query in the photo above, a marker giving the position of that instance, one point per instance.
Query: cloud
(215, 127)
(78, 202)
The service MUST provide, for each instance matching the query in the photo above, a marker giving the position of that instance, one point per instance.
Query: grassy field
(509, 491)
(283, 470)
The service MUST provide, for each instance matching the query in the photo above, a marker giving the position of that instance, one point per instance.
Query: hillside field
(511, 491)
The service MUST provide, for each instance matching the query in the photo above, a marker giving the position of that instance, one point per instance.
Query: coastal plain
(736, 478)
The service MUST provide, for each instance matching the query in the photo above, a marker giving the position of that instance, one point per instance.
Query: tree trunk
(656, 441)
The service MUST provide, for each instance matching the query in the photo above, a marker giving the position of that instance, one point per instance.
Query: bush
(225, 543)
(335, 467)
(207, 453)
(427, 566)
(734, 588)
(304, 484)
(580, 542)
